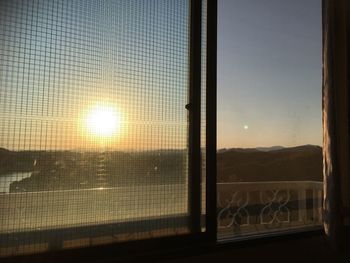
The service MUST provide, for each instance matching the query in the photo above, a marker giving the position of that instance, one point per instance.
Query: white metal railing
(259, 207)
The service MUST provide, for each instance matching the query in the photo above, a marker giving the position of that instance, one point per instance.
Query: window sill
(308, 240)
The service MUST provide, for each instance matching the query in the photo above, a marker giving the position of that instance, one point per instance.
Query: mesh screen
(93, 125)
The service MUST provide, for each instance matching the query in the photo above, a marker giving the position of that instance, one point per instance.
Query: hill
(275, 164)
(57, 170)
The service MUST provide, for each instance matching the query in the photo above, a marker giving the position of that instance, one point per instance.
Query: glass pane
(269, 155)
(93, 125)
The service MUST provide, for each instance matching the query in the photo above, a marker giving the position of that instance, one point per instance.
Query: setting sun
(103, 121)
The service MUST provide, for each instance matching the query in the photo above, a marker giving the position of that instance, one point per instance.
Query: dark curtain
(336, 97)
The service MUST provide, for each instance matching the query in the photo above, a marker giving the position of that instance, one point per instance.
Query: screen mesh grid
(94, 130)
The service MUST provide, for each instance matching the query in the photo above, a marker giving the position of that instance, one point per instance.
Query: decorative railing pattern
(258, 207)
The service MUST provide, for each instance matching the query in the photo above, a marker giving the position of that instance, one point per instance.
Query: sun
(103, 121)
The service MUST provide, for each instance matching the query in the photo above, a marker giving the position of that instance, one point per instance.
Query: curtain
(336, 122)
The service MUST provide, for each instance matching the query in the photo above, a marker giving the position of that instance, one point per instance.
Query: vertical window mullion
(211, 116)
(194, 115)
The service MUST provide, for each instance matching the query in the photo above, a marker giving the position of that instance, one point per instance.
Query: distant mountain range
(270, 164)
(261, 149)
(268, 149)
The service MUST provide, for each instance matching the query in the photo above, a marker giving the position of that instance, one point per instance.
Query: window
(113, 133)
(99, 117)
(269, 156)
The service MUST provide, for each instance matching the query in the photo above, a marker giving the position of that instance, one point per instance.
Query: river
(7, 179)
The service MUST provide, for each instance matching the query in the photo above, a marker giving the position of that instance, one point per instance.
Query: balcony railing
(246, 208)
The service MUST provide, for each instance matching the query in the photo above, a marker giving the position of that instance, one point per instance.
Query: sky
(62, 60)
(269, 73)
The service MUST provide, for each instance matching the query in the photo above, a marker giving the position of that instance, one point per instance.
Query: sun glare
(103, 121)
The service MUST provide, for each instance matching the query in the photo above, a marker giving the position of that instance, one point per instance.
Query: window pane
(93, 125)
(269, 155)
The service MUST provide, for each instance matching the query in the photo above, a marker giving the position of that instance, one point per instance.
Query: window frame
(196, 242)
(196, 238)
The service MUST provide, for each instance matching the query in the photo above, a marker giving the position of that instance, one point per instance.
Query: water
(7, 179)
